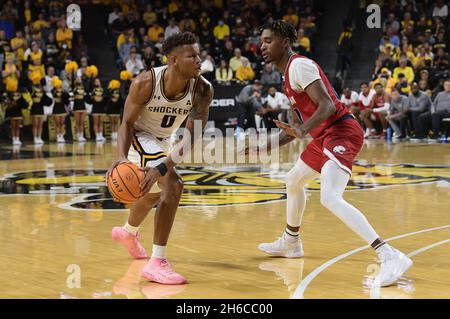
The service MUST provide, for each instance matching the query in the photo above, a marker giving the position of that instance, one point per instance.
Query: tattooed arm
(202, 100)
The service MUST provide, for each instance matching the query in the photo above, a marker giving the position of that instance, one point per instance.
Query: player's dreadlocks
(281, 29)
(176, 40)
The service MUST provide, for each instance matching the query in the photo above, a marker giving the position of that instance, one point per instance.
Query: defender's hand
(289, 129)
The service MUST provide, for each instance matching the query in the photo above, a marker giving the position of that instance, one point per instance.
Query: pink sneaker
(130, 241)
(160, 271)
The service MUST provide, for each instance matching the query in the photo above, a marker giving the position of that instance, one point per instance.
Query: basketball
(123, 183)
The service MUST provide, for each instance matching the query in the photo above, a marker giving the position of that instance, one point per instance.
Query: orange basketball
(123, 183)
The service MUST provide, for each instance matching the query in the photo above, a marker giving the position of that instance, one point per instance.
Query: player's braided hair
(176, 40)
(281, 29)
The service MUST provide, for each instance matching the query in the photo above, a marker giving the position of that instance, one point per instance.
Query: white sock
(291, 236)
(159, 251)
(131, 229)
(333, 181)
(296, 179)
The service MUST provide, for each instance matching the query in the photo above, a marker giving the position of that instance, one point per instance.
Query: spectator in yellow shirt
(385, 80)
(402, 85)
(291, 17)
(37, 66)
(304, 41)
(149, 15)
(419, 60)
(10, 71)
(18, 45)
(405, 69)
(154, 31)
(236, 61)
(407, 21)
(221, 30)
(40, 23)
(245, 71)
(173, 7)
(64, 35)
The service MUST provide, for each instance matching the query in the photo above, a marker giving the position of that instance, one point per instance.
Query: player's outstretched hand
(114, 164)
(289, 129)
(151, 177)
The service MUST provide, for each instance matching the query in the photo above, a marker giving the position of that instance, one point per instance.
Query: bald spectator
(350, 100)
(418, 103)
(236, 61)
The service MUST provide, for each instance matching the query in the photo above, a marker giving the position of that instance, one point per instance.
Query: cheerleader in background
(40, 99)
(114, 107)
(16, 103)
(79, 107)
(98, 100)
(125, 77)
(60, 106)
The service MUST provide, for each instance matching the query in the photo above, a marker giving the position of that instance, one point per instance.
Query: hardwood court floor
(56, 220)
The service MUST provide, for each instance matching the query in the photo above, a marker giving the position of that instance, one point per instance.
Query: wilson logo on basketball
(207, 187)
(116, 184)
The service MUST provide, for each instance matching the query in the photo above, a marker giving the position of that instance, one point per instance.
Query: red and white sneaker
(373, 135)
(131, 242)
(159, 270)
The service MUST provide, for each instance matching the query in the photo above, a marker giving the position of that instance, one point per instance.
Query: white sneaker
(16, 142)
(40, 140)
(36, 141)
(60, 139)
(393, 265)
(114, 136)
(81, 138)
(281, 247)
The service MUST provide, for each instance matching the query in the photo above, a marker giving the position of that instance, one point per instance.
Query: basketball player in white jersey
(158, 102)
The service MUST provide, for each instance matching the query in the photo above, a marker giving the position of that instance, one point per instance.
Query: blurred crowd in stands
(409, 89)
(47, 70)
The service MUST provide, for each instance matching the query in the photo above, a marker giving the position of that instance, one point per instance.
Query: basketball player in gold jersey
(158, 102)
